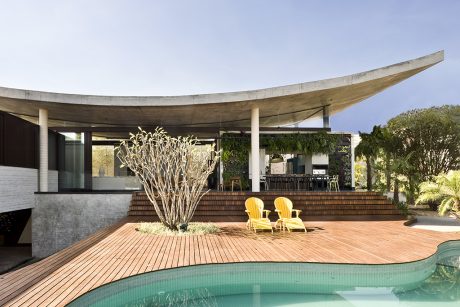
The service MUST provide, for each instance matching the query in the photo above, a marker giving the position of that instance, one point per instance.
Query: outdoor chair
(255, 210)
(285, 221)
(333, 183)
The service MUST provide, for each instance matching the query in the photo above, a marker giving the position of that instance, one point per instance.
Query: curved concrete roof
(280, 105)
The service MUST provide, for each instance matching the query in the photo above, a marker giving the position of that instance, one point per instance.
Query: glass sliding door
(72, 172)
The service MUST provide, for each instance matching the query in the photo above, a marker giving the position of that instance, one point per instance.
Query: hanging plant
(236, 148)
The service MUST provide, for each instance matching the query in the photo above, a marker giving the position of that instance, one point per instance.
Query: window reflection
(106, 171)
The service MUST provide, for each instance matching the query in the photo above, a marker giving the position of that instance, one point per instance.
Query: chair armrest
(267, 212)
(297, 212)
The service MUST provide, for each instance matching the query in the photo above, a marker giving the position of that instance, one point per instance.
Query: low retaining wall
(59, 220)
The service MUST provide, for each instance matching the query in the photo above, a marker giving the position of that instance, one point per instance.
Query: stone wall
(59, 220)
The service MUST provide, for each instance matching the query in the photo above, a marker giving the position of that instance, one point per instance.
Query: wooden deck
(121, 251)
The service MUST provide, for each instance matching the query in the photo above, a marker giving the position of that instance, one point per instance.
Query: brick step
(280, 193)
(296, 196)
(294, 200)
(353, 212)
(303, 208)
(305, 219)
(214, 197)
(343, 202)
(306, 214)
(272, 193)
(265, 200)
(380, 217)
(302, 202)
(229, 206)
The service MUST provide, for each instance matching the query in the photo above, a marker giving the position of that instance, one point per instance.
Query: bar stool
(236, 181)
(300, 183)
(264, 181)
(314, 183)
(333, 184)
(286, 183)
(292, 183)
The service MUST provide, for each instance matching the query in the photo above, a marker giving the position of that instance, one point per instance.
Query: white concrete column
(255, 150)
(354, 142)
(43, 172)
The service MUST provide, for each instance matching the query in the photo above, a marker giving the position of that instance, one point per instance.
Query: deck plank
(121, 251)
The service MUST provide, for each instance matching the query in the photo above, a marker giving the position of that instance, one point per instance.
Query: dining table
(296, 182)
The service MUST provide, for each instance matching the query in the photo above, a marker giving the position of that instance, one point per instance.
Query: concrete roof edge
(240, 96)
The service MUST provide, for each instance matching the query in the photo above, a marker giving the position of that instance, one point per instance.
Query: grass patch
(193, 229)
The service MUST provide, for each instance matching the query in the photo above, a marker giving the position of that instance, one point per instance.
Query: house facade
(60, 179)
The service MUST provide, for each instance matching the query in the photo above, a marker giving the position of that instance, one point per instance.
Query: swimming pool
(434, 281)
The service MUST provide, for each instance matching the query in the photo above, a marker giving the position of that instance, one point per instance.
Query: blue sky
(190, 47)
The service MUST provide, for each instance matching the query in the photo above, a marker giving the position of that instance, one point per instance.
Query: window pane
(72, 176)
(106, 171)
(103, 161)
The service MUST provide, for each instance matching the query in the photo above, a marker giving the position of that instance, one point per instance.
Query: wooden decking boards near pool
(121, 251)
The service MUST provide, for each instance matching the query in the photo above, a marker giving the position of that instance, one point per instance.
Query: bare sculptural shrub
(173, 171)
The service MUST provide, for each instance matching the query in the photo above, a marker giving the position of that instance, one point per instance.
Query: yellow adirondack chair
(255, 210)
(284, 209)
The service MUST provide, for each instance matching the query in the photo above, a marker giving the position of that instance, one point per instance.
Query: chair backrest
(255, 206)
(284, 205)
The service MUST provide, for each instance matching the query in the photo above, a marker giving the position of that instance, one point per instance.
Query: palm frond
(445, 206)
(446, 189)
(428, 197)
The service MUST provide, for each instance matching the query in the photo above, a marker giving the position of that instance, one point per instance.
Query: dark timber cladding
(19, 143)
(317, 206)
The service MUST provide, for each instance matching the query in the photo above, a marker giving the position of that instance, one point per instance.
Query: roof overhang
(282, 105)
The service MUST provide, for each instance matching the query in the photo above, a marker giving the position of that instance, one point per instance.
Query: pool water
(434, 281)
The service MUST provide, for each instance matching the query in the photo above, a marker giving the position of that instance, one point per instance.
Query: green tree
(445, 189)
(432, 136)
(414, 146)
(368, 149)
(429, 142)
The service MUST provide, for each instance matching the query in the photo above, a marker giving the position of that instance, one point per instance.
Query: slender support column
(353, 146)
(43, 170)
(255, 149)
(88, 158)
(326, 117)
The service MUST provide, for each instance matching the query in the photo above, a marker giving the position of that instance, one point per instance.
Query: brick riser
(229, 206)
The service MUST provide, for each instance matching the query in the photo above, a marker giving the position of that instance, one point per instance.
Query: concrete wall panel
(59, 220)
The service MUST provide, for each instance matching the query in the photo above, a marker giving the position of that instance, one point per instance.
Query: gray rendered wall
(59, 220)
